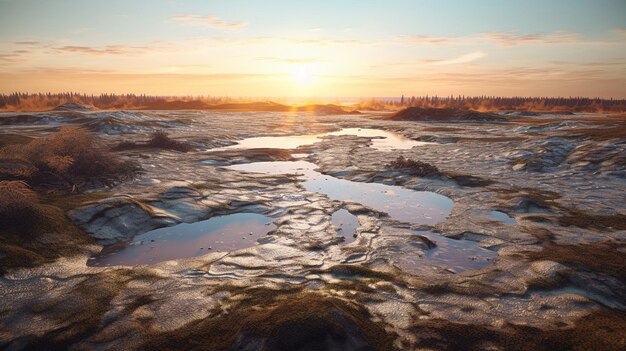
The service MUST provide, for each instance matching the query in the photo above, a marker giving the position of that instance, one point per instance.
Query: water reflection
(401, 204)
(502, 217)
(222, 233)
(384, 140)
(346, 224)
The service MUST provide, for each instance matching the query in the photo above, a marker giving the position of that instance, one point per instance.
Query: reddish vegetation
(83, 102)
(525, 105)
(604, 257)
(418, 168)
(69, 157)
(159, 140)
(279, 320)
(604, 330)
(24, 221)
(443, 114)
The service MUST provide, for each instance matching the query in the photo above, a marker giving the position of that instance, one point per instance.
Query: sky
(316, 48)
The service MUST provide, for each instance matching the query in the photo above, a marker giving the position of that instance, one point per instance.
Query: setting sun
(303, 75)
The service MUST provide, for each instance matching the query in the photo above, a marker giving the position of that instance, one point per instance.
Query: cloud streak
(104, 50)
(210, 21)
(472, 56)
(507, 39)
(290, 59)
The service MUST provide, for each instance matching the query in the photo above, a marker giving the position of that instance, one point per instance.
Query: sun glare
(303, 75)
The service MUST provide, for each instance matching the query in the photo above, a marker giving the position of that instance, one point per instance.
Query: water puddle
(453, 255)
(222, 233)
(501, 217)
(405, 205)
(346, 224)
(384, 140)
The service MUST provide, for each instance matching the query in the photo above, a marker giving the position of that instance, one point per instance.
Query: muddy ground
(552, 258)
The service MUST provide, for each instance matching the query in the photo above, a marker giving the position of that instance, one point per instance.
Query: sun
(302, 75)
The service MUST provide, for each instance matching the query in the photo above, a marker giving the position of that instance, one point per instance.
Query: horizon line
(446, 96)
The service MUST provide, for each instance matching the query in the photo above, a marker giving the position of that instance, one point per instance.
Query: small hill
(71, 106)
(268, 106)
(263, 106)
(177, 105)
(443, 114)
(328, 109)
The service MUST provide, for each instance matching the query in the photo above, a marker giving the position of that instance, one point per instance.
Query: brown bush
(161, 140)
(418, 168)
(68, 156)
(16, 199)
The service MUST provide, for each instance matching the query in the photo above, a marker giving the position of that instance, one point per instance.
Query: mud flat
(518, 242)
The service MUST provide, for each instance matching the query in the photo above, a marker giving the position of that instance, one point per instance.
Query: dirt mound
(443, 114)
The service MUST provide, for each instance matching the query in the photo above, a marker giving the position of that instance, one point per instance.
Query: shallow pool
(405, 205)
(222, 233)
(346, 224)
(383, 140)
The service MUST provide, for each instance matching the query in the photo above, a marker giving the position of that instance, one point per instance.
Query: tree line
(45, 101)
(515, 103)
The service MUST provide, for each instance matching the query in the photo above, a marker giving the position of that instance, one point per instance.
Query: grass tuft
(418, 168)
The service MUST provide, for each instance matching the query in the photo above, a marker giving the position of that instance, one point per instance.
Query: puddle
(501, 217)
(454, 255)
(384, 140)
(222, 233)
(346, 224)
(421, 207)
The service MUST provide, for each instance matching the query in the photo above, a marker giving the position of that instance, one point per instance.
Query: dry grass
(603, 330)
(161, 140)
(158, 140)
(603, 257)
(279, 320)
(16, 200)
(417, 168)
(68, 157)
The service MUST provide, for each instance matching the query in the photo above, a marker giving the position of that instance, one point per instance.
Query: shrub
(418, 168)
(16, 199)
(71, 155)
(161, 140)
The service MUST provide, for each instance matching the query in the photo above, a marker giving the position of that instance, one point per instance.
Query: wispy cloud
(210, 21)
(290, 59)
(27, 42)
(512, 39)
(619, 31)
(472, 56)
(507, 39)
(104, 50)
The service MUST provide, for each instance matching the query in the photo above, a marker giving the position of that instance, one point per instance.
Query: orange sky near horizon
(247, 50)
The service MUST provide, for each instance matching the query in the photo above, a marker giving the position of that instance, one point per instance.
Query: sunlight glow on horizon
(288, 49)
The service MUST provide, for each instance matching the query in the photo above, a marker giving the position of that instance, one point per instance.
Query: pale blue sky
(417, 46)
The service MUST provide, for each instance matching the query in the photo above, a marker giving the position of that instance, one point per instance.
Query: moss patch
(42, 235)
(604, 257)
(280, 320)
(599, 331)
